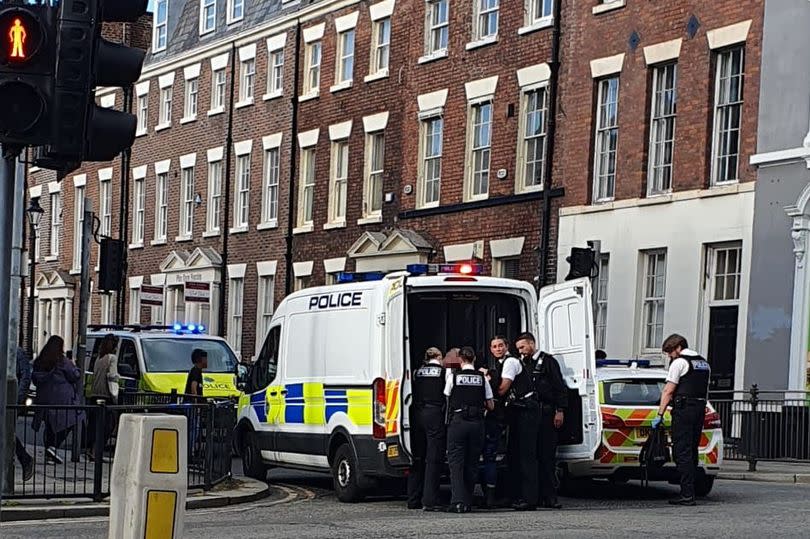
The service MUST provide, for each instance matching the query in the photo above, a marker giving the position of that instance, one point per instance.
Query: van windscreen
(174, 355)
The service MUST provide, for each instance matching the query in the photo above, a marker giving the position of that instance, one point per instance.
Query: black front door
(722, 353)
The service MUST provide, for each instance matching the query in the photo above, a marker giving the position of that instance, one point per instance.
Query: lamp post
(34, 213)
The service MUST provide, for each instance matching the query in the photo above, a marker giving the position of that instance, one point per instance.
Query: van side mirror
(241, 373)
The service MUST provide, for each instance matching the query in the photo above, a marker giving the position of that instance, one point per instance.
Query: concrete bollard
(149, 477)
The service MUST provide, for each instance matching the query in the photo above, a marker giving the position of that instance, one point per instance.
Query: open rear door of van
(399, 378)
(565, 330)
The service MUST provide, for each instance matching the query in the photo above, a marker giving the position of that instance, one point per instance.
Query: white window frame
(374, 175)
(165, 113)
(78, 222)
(208, 16)
(241, 198)
(160, 33)
(380, 49)
(236, 293)
(161, 207)
(338, 183)
(271, 176)
(601, 298)
(480, 148)
(219, 80)
(56, 222)
(264, 311)
(275, 73)
(602, 138)
(231, 14)
(430, 161)
(247, 81)
(499, 264)
(736, 274)
(538, 14)
(312, 68)
(437, 31)
(191, 103)
(142, 104)
(345, 60)
(484, 12)
(186, 222)
(651, 298)
(526, 140)
(306, 193)
(723, 109)
(134, 316)
(139, 221)
(213, 214)
(660, 169)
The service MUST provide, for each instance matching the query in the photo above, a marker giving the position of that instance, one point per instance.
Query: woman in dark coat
(55, 377)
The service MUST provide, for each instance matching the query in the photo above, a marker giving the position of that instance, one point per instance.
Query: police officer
(427, 433)
(552, 397)
(687, 388)
(495, 421)
(523, 416)
(469, 395)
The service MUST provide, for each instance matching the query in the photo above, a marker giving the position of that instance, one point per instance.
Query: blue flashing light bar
(194, 329)
(359, 276)
(436, 269)
(623, 363)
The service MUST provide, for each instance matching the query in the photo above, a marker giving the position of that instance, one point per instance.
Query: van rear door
(398, 370)
(565, 330)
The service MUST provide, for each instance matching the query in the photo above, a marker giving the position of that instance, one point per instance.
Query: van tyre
(703, 485)
(345, 475)
(252, 463)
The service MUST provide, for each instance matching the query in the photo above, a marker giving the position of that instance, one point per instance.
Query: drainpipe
(226, 197)
(288, 254)
(554, 65)
(123, 219)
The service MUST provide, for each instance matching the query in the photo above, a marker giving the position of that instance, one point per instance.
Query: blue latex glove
(657, 421)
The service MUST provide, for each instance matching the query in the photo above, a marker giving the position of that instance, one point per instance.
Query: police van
(331, 387)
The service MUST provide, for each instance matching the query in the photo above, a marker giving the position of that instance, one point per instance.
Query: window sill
(238, 230)
(376, 76)
(345, 85)
(609, 6)
(211, 234)
(334, 225)
(51, 258)
(234, 21)
(188, 120)
(218, 110)
(602, 201)
(140, 134)
(481, 43)
(243, 104)
(157, 242)
(476, 198)
(162, 127)
(272, 95)
(75, 272)
(183, 239)
(529, 189)
(723, 184)
(268, 225)
(308, 97)
(428, 205)
(432, 57)
(134, 246)
(371, 219)
(304, 229)
(540, 24)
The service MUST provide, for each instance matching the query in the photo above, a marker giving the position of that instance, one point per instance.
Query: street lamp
(34, 213)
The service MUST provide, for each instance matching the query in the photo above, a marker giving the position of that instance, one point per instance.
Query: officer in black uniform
(687, 388)
(469, 395)
(552, 396)
(495, 421)
(427, 432)
(523, 418)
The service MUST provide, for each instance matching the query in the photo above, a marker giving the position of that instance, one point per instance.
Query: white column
(68, 313)
(55, 318)
(800, 234)
(41, 327)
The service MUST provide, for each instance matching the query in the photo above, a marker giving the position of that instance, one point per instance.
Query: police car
(330, 389)
(157, 358)
(629, 394)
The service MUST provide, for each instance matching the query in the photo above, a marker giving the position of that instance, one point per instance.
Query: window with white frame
(214, 196)
(534, 122)
(507, 268)
(380, 46)
(160, 33)
(312, 80)
(607, 137)
(161, 206)
(218, 90)
(187, 199)
(242, 198)
(134, 305)
(479, 149)
(338, 183)
(56, 222)
(236, 10)
(601, 298)
(302, 282)
(192, 90)
(246, 79)
(538, 11)
(662, 129)
(236, 295)
(143, 113)
(270, 194)
(485, 17)
(37, 236)
(108, 308)
(726, 272)
(266, 305)
(208, 16)
(653, 294)
(140, 212)
(78, 224)
(375, 166)
(345, 57)
(307, 189)
(165, 106)
(437, 30)
(432, 141)
(728, 101)
(275, 78)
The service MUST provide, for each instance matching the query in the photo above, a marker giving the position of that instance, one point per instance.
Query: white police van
(331, 386)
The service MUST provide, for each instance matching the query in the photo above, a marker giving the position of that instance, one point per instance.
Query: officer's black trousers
(464, 440)
(524, 422)
(687, 425)
(547, 454)
(428, 443)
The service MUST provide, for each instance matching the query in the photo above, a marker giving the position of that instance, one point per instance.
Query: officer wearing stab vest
(686, 390)
(469, 394)
(427, 432)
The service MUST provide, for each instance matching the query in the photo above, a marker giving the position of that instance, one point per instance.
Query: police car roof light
(633, 363)
(359, 276)
(437, 269)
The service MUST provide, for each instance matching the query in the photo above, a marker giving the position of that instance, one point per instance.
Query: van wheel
(252, 463)
(345, 475)
(703, 485)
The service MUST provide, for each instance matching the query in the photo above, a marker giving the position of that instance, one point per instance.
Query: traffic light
(110, 260)
(27, 34)
(582, 263)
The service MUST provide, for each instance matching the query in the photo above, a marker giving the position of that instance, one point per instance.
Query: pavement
(772, 472)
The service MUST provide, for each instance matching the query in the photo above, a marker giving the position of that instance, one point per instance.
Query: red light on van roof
(465, 269)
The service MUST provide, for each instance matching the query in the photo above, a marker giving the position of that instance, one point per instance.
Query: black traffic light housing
(582, 262)
(110, 260)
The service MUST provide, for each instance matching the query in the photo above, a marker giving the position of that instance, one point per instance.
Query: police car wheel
(344, 475)
(703, 485)
(252, 459)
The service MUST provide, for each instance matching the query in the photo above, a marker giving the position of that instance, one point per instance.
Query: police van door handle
(283, 391)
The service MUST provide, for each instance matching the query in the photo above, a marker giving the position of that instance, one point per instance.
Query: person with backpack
(686, 390)
(552, 397)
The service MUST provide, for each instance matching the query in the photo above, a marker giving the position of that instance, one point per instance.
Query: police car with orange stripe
(629, 393)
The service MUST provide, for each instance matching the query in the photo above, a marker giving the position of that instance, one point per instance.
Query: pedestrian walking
(194, 395)
(552, 399)
(105, 386)
(24, 384)
(428, 433)
(495, 421)
(55, 377)
(469, 395)
(686, 390)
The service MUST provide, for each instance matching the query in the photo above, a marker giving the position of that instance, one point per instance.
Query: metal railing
(764, 424)
(55, 461)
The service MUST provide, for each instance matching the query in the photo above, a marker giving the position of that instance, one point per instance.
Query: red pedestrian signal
(22, 34)
(17, 35)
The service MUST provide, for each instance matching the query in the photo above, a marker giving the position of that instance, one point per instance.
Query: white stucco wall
(683, 223)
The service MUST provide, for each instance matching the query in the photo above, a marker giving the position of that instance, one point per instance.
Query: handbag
(654, 453)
